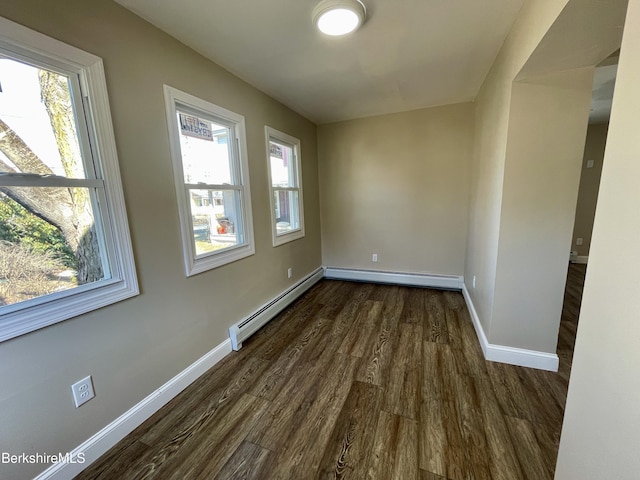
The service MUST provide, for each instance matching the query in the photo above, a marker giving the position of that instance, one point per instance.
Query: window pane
(286, 210)
(212, 178)
(205, 150)
(48, 242)
(283, 165)
(216, 219)
(37, 122)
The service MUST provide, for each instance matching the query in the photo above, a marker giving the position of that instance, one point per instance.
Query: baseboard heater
(242, 330)
(428, 280)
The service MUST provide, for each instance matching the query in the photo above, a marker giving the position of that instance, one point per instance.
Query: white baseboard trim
(582, 259)
(450, 282)
(246, 327)
(475, 319)
(523, 357)
(510, 355)
(101, 442)
(98, 444)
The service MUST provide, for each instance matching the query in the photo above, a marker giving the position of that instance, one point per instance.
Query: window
(64, 240)
(285, 186)
(211, 173)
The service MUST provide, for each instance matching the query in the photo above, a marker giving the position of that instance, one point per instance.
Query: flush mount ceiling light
(338, 17)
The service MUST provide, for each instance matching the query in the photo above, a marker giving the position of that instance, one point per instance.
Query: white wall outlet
(82, 391)
(289, 272)
(590, 163)
(579, 241)
(374, 258)
(473, 282)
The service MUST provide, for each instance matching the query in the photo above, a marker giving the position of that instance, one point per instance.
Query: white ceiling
(587, 32)
(409, 54)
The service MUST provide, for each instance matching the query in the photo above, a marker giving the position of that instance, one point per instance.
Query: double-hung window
(285, 186)
(211, 173)
(64, 240)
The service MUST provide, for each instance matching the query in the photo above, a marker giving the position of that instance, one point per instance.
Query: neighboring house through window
(211, 173)
(285, 186)
(64, 239)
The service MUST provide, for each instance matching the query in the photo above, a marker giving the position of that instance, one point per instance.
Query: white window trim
(173, 98)
(25, 317)
(293, 141)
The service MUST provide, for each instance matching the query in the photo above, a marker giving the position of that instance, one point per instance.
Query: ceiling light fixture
(338, 17)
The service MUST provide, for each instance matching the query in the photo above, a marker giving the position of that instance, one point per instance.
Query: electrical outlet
(82, 391)
(578, 241)
(289, 272)
(590, 163)
(374, 258)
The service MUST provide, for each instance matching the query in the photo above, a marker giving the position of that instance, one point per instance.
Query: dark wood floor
(359, 381)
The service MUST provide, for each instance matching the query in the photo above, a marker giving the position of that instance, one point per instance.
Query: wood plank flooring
(359, 381)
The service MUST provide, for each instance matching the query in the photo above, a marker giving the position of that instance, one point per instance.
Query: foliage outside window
(212, 181)
(287, 212)
(64, 240)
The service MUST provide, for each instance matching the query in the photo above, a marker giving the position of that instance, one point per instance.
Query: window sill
(287, 237)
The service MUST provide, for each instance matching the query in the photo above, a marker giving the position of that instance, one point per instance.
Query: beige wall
(492, 124)
(135, 346)
(589, 184)
(397, 185)
(600, 435)
(544, 151)
(546, 39)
